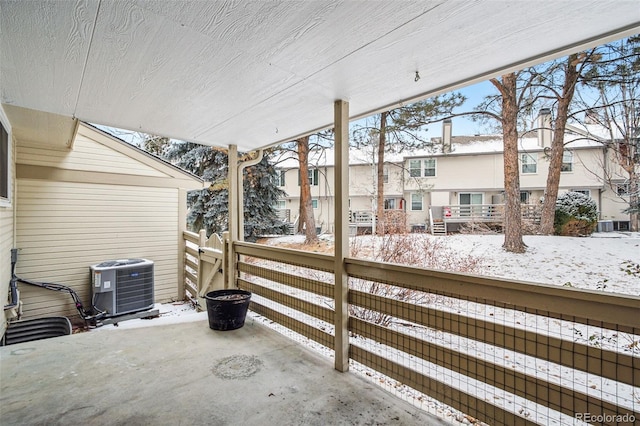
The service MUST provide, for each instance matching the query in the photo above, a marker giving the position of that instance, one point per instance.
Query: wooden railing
(501, 351)
(486, 212)
(203, 265)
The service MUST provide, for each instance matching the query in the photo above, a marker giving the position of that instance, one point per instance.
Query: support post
(341, 130)
(182, 245)
(240, 177)
(233, 214)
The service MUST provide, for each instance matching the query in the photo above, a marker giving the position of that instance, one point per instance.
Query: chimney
(446, 136)
(544, 128)
(592, 117)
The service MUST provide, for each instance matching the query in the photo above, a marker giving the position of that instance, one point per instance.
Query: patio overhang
(253, 73)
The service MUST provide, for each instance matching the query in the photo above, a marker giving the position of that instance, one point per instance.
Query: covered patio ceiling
(254, 73)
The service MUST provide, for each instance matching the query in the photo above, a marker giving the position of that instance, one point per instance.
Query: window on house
(583, 191)
(567, 162)
(415, 168)
(470, 198)
(280, 175)
(389, 203)
(422, 168)
(416, 202)
(529, 163)
(621, 188)
(385, 175)
(314, 203)
(467, 202)
(313, 177)
(4, 163)
(280, 205)
(524, 197)
(430, 167)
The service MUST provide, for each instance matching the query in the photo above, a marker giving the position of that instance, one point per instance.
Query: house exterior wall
(6, 226)
(472, 172)
(478, 173)
(85, 155)
(361, 191)
(82, 206)
(63, 228)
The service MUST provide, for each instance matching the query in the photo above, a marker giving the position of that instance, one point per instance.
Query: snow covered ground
(598, 262)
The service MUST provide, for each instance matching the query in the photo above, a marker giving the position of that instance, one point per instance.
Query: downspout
(605, 163)
(241, 167)
(13, 284)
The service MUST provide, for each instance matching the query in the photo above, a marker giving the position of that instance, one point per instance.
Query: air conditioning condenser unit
(122, 286)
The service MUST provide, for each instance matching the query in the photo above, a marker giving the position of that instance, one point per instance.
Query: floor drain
(237, 367)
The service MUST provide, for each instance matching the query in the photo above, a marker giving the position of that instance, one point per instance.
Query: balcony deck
(177, 374)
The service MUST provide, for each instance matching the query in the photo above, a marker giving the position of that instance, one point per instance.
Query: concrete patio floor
(187, 374)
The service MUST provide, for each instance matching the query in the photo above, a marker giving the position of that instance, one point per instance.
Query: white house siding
(613, 205)
(63, 228)
(472, 169)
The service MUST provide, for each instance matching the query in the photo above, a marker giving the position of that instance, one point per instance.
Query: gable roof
(183, 178)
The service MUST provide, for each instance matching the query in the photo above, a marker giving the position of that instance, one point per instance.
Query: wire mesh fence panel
(483, 350)
(497, 362)
(292, 294)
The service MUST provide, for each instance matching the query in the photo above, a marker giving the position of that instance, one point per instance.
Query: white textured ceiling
(253, 73)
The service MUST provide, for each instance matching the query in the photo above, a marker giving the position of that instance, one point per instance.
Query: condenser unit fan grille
(135, 289)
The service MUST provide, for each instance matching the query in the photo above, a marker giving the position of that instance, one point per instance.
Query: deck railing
(203, 265)
(487, 212)
(501, 351)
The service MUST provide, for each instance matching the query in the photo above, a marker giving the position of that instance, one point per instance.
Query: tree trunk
(306, 223)
(382, 141)
(512, 214)
(557, 147)
(634, 189)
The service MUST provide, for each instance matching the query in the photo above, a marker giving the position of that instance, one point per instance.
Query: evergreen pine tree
(209, 208)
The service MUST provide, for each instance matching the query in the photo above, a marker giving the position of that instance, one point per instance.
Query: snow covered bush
(576, 214)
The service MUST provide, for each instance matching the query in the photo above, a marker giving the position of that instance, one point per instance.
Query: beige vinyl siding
(6, 243)
(6, 228)
(86, 155)
(63, 228)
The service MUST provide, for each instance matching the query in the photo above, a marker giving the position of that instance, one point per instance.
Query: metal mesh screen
(496, 362)
(467, 347)
(294, 300)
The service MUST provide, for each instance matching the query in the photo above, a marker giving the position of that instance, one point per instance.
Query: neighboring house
(460, 172)
(84, 199)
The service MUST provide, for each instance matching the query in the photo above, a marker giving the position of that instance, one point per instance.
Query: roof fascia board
(27, 171)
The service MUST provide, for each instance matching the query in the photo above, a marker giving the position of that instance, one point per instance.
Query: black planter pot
(227, 309)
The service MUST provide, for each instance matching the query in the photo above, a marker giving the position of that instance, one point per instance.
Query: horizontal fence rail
(485, 212)
(192, 244)
(500, 351)
(203, 265)
(294, 288)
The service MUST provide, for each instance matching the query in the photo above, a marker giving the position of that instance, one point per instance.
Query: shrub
(420, 250)
(576, 214)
